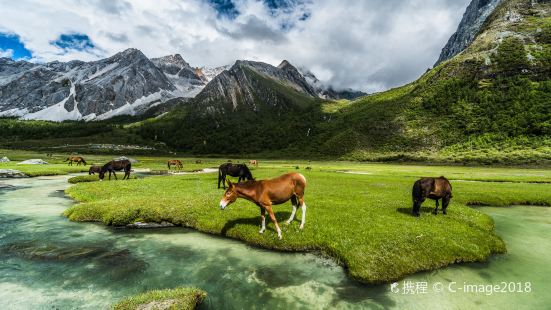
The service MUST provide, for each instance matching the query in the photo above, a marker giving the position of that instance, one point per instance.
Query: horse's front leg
(294, 202)
(435, 211)
(272, 216)
(263, 218)
(115, 175)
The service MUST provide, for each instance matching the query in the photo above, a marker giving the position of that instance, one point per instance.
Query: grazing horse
(198, 161)
(175, 162)
(94, 169)
(76, 159)
(116, 165)
(235, 170)
(432, 188)
(265, 193)
(253, 162)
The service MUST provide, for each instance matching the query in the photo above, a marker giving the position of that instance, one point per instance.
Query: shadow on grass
(256, 221)
(422, 210)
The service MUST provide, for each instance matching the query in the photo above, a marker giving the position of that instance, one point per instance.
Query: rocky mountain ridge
(129, 83)
(473, 19)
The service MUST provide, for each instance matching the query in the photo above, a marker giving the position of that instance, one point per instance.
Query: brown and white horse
(79, 160)
(253, 162)
(176, 163)
(265, 193)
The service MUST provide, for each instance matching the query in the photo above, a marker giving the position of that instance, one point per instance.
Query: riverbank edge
(322, 251)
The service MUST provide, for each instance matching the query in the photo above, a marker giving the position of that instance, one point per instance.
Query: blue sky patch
(13, 42)
(225, 8)
(74, 41)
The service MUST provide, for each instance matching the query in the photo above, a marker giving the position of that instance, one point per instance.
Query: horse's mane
(247, 184)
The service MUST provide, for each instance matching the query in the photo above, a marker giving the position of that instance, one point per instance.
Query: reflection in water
(47, 261)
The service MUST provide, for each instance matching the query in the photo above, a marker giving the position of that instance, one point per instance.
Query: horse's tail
(168, 164)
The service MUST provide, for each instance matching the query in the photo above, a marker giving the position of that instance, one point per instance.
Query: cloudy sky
(370, 45)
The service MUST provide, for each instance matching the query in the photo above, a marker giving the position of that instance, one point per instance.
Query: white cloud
(369, 45)
(6, 53)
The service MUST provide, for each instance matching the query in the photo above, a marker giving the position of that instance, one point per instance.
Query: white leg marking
(303, 216)
(263, 225)
(292, 217)
(279, 232)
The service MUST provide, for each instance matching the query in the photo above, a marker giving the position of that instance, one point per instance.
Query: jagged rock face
(38, 85)
(130, 77)
(476, 14)
(298, 79)
(243, 87)
(175, 65)
(10, 69)
(185, 78)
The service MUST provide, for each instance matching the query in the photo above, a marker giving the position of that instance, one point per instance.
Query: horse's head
(102, 174)
(247, 174)
(230, 195)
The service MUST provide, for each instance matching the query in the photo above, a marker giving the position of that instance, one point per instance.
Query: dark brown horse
(198, 161)
(116, 165)
(234, 170)
(176, 163)
(265, 193)
(432, 188)
(94, 169)
(79, 160)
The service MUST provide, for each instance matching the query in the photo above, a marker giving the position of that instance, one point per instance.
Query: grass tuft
(179, 298)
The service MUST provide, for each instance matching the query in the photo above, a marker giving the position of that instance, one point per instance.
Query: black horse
(235, 170)
(432, 188)
(94, 169)
(116, 165)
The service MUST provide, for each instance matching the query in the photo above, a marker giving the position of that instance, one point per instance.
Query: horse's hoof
(261, 231)
(435, 213)
(287, 222)
(301, 227)
(444, 212)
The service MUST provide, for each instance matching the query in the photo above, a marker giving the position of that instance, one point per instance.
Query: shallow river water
(48, 262)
